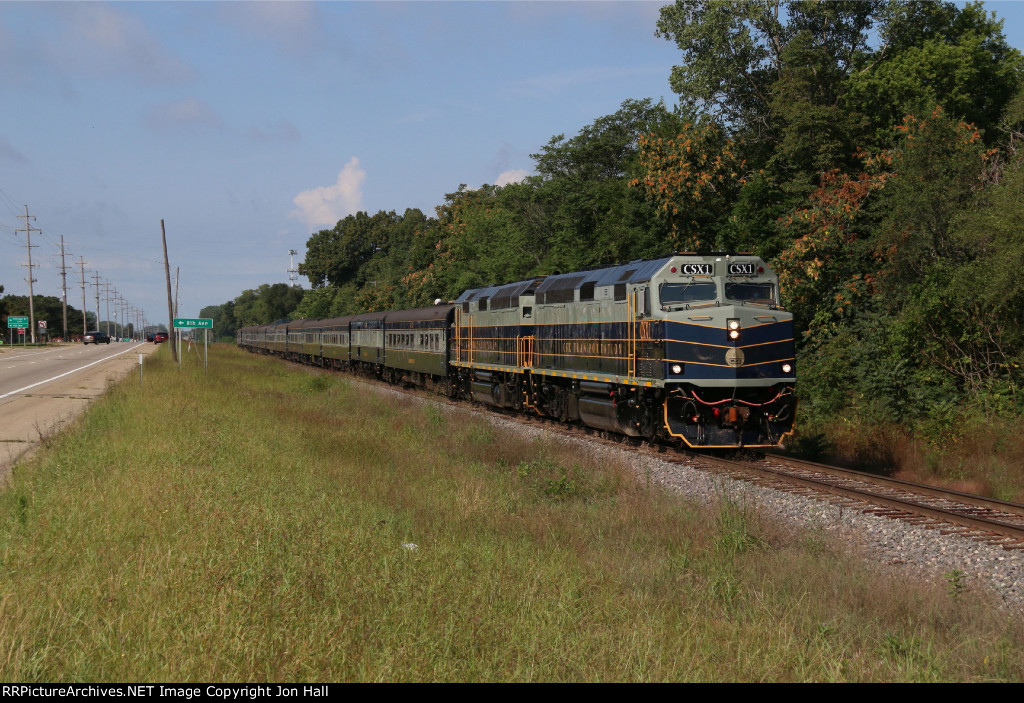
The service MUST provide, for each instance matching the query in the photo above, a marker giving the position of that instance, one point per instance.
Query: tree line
(869, 150)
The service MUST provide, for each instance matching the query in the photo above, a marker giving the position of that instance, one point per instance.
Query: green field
(257, 523)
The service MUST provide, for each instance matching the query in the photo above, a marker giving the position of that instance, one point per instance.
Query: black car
(96, 338)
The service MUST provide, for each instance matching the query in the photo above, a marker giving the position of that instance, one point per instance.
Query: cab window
(763, 293)
(673, 293)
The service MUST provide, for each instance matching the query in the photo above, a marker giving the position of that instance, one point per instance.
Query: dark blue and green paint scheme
(641, 349)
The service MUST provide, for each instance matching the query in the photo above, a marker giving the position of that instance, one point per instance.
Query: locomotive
(690, 348)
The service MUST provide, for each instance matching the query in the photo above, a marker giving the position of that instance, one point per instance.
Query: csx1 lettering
(744, 269)
(696, 269)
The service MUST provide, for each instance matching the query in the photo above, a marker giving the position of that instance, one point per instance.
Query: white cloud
(514, 176)
(101, 40)
(189, 116)
(328, 204)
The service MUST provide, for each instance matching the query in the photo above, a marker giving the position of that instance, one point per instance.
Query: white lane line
(68, 373)
(21, 355)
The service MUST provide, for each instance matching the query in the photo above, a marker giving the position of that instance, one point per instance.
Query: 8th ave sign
(194, 322)
(203, 323)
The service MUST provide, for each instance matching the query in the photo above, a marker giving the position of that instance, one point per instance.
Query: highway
(42, 390)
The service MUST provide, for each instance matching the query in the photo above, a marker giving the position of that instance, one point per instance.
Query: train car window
(587, 291)
(527, 311)
(754, 292)
(671, 293)
(620, 291)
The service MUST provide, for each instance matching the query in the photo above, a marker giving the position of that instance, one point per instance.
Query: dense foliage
(45, 307)
(870, 150)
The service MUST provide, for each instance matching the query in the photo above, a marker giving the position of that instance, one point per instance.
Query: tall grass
(262, 522)
(982, 455)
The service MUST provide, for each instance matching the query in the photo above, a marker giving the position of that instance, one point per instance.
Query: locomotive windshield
(763, 293)
(672, 293)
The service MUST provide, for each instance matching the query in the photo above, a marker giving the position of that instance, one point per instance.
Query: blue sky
(246, 126)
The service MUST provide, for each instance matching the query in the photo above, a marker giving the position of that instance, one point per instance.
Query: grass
(268, 523)
(983, 456)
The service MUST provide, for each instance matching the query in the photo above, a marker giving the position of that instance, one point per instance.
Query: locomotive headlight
(733, 325)
(787, 368)
(677, 368)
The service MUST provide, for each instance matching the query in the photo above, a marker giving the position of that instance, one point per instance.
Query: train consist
(692, 348)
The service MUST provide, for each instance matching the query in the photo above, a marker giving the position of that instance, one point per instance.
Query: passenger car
(159, 337)
(96, 337)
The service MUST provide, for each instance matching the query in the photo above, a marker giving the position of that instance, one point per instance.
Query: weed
(734, 532)
(813, 448)
(955, 583)
(435, 418)
(725, 590)
(560, 488)
(481, 434)
(898, 647)
(317, 384)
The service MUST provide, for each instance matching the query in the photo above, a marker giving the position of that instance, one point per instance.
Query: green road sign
(17, 321)
(199, 322)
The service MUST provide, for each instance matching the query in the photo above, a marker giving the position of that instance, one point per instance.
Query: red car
(159, 337)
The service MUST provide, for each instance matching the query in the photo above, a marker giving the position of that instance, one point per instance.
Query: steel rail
(925, 489)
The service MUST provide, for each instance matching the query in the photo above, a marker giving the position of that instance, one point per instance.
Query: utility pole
(85, 322)
(96, 285)
(106, 292)
(167, 275)
(122, 306)
(64, 288)
(28, 246)
(175, 335)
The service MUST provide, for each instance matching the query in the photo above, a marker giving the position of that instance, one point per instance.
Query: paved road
(42, 390)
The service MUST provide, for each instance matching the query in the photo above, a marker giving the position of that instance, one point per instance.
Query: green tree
(934, 53)
(338, 255)
(583, 211)
(223, 316)
(268, 303)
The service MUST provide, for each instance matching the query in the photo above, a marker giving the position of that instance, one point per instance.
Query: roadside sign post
(19, 322)
(203, 323)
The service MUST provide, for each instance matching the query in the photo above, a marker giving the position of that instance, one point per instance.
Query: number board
(742, 268)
